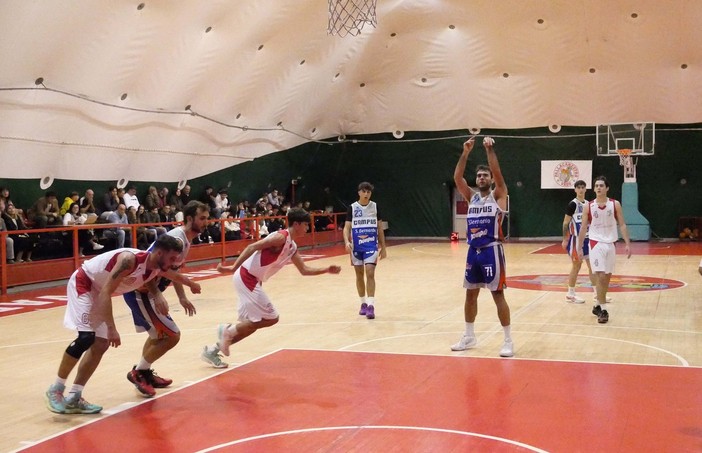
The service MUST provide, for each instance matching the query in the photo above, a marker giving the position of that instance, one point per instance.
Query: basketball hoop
(347, 17)
(626, 161)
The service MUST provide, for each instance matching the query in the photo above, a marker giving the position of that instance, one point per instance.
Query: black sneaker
(603, 317)
(155, 380)
(596, 310)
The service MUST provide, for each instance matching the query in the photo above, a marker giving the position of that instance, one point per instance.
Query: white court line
(378, 427)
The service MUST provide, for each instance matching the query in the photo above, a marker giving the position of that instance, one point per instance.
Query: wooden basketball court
(326, 379)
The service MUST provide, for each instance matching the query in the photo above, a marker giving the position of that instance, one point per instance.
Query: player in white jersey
(257, 263)
(571, 227)
(156, 321)
(485, 264)
(600, 220)
(365, 241)
(89, 311)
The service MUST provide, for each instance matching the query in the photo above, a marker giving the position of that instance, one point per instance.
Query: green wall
(413, 179)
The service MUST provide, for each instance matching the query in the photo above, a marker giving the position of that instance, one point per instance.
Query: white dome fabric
(117, 76)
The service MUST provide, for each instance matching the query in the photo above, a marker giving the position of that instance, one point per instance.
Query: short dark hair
(298, 215)
(190, 209)
(365, 185)
(168, 243)
(580, 183)
(603, 179)
(480, 168)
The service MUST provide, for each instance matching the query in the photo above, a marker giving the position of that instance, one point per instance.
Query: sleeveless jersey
(576, 216)
(178, 233)
(95, 272)
(364, 226)
(603, 222)
(263, 264)
(484, 221)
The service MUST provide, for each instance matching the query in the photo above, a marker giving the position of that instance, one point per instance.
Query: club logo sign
(618, 283)
(565, 174)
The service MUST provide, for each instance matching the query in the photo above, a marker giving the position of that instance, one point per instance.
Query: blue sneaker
(364, 308)
(54, 399)
(370, 312)
(77, 405)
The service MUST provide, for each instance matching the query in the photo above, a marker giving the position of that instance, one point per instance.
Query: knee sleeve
(81, 344)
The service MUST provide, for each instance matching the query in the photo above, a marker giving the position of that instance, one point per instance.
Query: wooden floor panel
(652, 342)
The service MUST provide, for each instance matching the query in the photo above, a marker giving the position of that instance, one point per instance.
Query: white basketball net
(626, 161)
(347, 17)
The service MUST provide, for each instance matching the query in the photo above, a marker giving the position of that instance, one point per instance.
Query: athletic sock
(571, 290)
(370, 300)
(143, 365)
(61, 383)
(508, 333)
(470, 329)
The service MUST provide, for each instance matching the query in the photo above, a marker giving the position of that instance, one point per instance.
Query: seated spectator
(121, 235)
(153, 216)
(276, 223)
(273, 198)
(185, 195)
(162, 197)
(151, 201)
(5, 195)
(141, 217)
(232, 228)
(87, 205)
(67, 202)
(45, 211)
(208, 197)
(110, 201)
(166, 215)
(130, 198)
(86, 238)
(221, 204)
(9, 242)
(24, 243)
(144, 236)
(176, 201)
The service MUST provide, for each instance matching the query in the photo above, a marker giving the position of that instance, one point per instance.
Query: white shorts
(361, 258)
(254, 304)
(602, 256)
(78, 308)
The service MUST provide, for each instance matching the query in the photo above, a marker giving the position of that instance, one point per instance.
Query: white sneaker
(97, 246)
(507, 349)
(213, 358)
(574, 299)
(464, 343)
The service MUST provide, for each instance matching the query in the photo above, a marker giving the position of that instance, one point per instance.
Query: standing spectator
(365, 241)
(121, 235)
(600, 220)
(45, 211)
(23, 243)
(130, 198)
(485, 264)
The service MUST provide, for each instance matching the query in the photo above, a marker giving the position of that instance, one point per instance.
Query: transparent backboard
(640, 138)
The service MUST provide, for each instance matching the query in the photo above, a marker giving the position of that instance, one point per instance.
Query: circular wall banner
(618, 283)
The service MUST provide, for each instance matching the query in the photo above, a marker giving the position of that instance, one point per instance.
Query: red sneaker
(143, 386)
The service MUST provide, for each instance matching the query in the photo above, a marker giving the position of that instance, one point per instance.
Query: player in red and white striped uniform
(600, 220)
(89, 311)
(256, 264)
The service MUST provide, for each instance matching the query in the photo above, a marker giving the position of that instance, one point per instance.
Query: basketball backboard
(640, 138)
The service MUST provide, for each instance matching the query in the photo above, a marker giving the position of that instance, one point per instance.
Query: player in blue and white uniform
(365, 241)
(485, 264)
(571, 227)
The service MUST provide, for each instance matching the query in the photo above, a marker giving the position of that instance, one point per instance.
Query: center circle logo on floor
(618, 283)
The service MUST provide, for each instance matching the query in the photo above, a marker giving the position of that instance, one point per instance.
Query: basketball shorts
(485, 268)
(361, 258)
(254, 304)
(81, 297)
(146, 318)
(602, 256)
(571, 248)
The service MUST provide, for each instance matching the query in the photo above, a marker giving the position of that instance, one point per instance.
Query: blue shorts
(572, 246)
(485, 268)
(147, 319)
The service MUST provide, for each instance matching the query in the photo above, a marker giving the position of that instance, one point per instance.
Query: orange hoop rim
(626, 152)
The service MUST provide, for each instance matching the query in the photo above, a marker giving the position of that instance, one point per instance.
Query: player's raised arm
(499, 180)
(458, 177)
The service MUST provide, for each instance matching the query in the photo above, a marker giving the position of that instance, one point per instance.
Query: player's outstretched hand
(468, 144)
(488, 142)
(334, 269)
